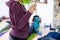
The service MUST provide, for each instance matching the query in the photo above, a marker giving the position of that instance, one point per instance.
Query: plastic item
(25, 1)
(47, 25)
(36, 21)
(36, 18)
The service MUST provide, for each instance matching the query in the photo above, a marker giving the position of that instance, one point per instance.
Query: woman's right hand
(32, 8)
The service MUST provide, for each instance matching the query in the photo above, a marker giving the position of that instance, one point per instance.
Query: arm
(24, 19)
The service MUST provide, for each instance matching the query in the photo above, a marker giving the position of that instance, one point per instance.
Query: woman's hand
(32, 8)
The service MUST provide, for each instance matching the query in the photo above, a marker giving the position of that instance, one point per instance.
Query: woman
(19, 18)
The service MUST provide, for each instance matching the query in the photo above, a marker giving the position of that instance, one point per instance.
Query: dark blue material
(35, 24)
(50, 35)
(53, 35)
(58, 36)
(46, 38)
(36, 21)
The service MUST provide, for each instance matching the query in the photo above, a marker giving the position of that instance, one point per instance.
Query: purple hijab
(9, 3)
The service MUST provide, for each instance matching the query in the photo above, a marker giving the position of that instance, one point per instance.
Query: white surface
(45, 11)
(5, 36)
(4, 10)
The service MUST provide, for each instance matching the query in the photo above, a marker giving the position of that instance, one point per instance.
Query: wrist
(30, 11)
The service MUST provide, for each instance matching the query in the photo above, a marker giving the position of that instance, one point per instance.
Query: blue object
(58, 36)
(50, 36)
(37, 32)
(34, 30)
(53, 35)
(36, 19)
(47, 38)
(44, 25)
(35, 24)
(50, 26)
(47, 25)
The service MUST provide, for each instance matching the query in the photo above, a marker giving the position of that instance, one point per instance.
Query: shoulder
(16, 3)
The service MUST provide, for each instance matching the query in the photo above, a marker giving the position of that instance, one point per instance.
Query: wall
(4, 11)
(56, 14)
(45, 11)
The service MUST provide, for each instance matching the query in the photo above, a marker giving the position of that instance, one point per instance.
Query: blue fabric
(58, 36)
(32, 30)
(35, 24)
(53, 34)
(50, 36)
(36, 19)
(37, 32)
(46, 38)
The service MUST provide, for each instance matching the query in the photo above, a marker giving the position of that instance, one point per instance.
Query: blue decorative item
(36, 25)
(36, 21)
(37, 32)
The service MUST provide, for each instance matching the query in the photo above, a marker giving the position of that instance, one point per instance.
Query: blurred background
(49, 12)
